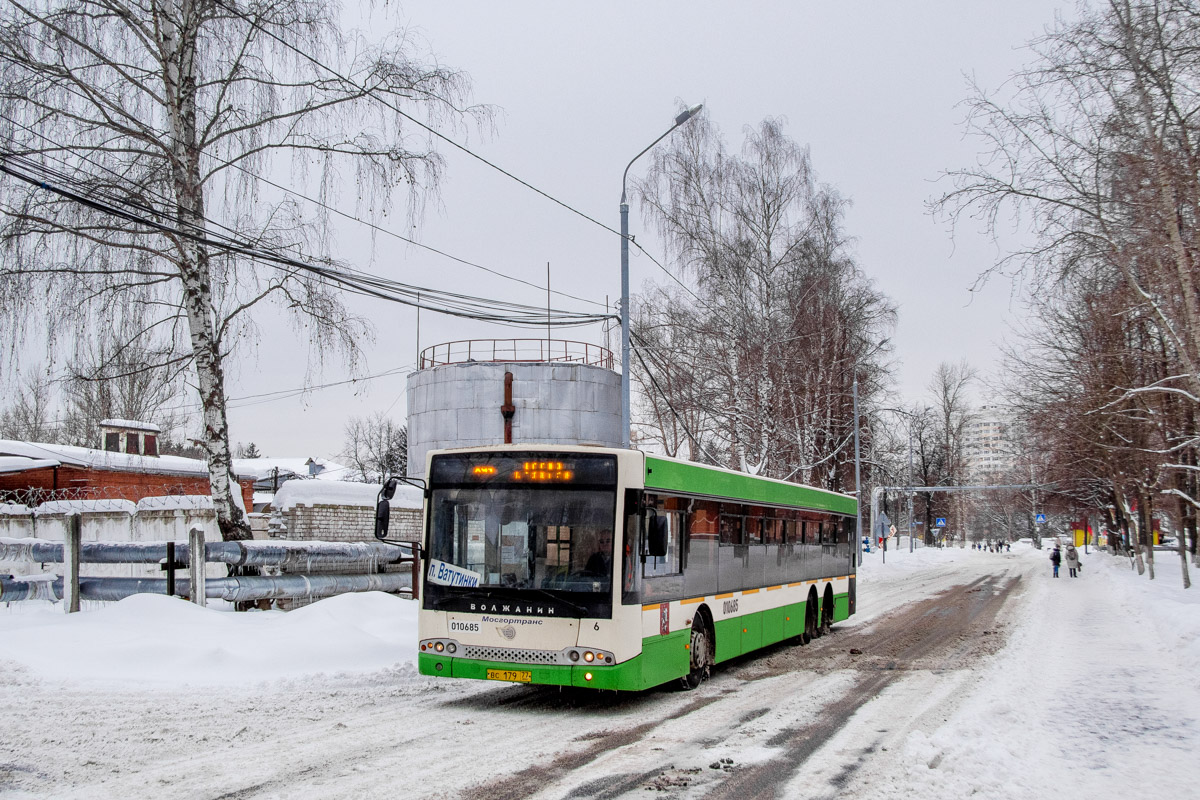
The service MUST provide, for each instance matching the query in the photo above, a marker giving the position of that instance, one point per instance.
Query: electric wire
(450, 303)
(433, 131)
(210, 222)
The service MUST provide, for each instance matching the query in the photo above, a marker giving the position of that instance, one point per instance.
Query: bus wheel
(701, 654)
(812, 624)
(827, 608)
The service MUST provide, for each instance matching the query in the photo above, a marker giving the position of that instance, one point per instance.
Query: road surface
(790, 721)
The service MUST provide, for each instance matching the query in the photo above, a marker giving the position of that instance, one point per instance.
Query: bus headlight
(573, 655)
(587, 656)
(439, 647)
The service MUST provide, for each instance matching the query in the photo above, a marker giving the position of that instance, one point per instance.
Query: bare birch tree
(376, 447)
(147, 130)
(757, 362)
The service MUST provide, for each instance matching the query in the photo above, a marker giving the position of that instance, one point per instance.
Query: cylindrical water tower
(492, 391)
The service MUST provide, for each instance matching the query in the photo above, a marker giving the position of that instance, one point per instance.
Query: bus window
(700, 574)
(731, 523)
(754, 525)
(666, 508)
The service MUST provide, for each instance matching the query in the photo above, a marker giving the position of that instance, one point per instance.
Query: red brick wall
(115, 484)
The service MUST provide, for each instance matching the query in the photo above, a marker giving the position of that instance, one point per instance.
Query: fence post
(71, 548)
(196, 565)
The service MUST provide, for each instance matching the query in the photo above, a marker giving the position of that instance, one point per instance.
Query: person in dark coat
(1072, 561)
(1055, 559)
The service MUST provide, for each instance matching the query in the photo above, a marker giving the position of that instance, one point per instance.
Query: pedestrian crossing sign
(941, 522)
(1041, 519)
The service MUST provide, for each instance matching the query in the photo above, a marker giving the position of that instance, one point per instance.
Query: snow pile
(325, 493)
(341, 493)
(162, 642)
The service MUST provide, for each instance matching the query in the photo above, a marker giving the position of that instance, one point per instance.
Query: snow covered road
(979, 675)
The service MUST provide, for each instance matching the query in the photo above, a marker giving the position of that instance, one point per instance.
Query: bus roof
(675, 474)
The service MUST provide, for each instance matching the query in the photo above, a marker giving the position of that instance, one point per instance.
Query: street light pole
(857, 473)
(679, 120)
(910, 494)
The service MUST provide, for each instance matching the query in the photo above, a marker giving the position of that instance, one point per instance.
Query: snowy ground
(1087, 690)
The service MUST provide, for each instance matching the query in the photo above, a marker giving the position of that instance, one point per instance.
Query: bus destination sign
(524, 468)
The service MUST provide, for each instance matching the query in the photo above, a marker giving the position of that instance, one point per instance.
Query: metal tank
(491, 391)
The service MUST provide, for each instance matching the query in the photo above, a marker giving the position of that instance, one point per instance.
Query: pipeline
(241, 589)
(289, 556)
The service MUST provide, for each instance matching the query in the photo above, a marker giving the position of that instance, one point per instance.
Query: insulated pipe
(242, 589)
(245, 553)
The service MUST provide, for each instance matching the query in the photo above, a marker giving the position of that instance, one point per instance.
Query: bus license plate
(513, 675)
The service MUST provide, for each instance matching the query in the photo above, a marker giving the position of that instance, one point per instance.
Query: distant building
(988, 445)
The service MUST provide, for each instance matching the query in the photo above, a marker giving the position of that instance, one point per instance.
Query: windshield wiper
(578, 608)
(439, 603)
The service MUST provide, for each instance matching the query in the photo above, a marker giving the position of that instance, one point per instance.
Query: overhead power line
(434, 132)
(438, 301)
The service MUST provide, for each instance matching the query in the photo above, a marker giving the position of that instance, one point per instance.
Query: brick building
(33, 472)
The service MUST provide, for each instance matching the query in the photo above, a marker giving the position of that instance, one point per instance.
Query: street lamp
(679, 120)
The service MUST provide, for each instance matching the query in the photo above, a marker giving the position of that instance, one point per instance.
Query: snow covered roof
(265, 467)
(130, 424)
(341, 493)
(103, 459)
(22, 463)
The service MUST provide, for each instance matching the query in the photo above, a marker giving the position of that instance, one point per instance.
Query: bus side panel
(841, 607)
(752, 631)
(665, 658)
(729, 638)
(793, 620)
(773, 625)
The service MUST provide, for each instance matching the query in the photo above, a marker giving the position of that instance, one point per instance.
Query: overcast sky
(873, 88)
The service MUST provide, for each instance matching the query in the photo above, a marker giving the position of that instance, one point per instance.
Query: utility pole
(910, 483)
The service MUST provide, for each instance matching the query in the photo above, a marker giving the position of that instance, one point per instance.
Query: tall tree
(376, 447)
(147, 129)
(756, 363)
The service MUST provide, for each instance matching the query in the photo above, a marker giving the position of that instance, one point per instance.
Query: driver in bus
(600, 562)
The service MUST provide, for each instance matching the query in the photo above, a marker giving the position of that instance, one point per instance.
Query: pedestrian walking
(1072, 561)
(1055, 559)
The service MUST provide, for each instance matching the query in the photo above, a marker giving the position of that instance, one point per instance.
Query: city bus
(617, 569)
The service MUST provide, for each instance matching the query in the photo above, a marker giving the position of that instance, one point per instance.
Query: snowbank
(162, 642)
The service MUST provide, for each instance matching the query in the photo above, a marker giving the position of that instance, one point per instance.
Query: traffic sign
(941, 522)
(1041, 519)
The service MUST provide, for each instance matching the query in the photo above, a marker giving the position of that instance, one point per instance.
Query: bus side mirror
(389, 488)
(657, 544)
(383, 510)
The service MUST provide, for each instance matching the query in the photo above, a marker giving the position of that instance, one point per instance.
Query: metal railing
(511, 350)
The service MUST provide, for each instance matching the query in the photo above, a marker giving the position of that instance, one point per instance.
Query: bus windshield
(514, 522)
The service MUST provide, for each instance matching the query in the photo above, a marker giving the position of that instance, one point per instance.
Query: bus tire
(827, 610)
(812, 611)
(700, 652)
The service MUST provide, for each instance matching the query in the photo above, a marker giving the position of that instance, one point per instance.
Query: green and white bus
(616, 569)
